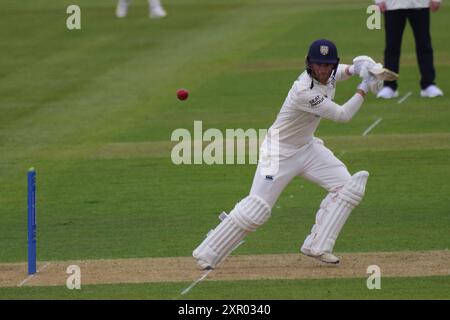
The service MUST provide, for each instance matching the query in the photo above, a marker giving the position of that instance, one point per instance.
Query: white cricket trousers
(313, 161)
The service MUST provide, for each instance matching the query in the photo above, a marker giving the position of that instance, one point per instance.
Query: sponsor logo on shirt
(316, 101)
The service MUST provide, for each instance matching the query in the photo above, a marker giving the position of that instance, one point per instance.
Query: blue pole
(31, 221)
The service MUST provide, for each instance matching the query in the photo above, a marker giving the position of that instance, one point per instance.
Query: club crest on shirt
(316, 101)
(324, 50)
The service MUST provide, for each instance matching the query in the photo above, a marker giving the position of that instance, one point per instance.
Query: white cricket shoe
(324, 257)
(122, 9)
(431, 91)
(157, 12)
(387, 93)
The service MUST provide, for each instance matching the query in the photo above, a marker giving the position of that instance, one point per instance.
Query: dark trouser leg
(420, 23)
(394, 24)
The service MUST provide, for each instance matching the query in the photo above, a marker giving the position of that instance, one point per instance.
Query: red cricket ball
(182, 94)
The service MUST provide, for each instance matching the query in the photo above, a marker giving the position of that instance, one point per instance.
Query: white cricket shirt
(302, 110)
(406, 4)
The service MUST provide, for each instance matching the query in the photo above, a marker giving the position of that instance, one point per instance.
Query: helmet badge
(324, 50)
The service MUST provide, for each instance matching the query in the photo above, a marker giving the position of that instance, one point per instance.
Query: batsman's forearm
(343, 72)
(350, 108)
(350, 70)
(331, 110)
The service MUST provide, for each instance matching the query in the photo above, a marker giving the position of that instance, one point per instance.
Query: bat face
(384, 74)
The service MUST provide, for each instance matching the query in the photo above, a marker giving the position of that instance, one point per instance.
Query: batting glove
(364, 86)
(370, 83)
(360, 64)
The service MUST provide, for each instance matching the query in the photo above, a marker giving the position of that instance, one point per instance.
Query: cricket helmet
(322, 51)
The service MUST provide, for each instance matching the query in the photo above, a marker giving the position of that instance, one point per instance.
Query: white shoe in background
(157, 12)
(431, 91)
(156, 9)
(122, 9)
(387, 93)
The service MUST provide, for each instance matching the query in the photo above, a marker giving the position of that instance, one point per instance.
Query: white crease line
(372, 126)
(32, 275)
(404, 97)
(196, 281)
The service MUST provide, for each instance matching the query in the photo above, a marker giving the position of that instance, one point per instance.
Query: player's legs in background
(420, 23)
(156, 10)
(395, 21)
(248, 214)
(122, 8)
(345, 193)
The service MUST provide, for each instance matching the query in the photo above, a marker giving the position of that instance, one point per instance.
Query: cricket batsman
(290, 149)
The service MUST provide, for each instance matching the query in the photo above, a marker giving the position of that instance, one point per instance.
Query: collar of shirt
(330, 83)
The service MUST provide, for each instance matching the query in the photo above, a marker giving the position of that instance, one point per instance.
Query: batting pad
(246, 217)
(334, 211)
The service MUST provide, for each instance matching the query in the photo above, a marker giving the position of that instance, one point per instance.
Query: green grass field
(93, 111)
(391, 288)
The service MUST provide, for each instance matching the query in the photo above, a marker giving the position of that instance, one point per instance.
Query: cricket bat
(383, 74)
